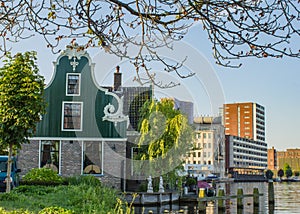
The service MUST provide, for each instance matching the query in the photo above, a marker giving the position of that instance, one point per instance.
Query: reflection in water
(286, 201)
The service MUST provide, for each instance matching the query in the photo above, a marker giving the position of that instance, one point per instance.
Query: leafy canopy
(21, 98)
(21, 102)
(165, 138)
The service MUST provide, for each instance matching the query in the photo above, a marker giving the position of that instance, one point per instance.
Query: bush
(191, 181)
(55, 210)
(83, 179)
(42, 176)
(21, 211)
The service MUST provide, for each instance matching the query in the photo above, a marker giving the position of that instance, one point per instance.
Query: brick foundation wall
(114, 159)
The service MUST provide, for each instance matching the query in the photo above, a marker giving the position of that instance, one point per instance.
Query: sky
(273, 83)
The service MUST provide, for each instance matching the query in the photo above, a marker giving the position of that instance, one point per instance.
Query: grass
(80, 198)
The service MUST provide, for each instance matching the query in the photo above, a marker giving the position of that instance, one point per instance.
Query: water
(287, 200)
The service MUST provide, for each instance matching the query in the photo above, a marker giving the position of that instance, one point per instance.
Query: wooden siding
(94, 100)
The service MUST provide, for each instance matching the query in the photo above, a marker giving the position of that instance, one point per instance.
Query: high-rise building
(246, 149)
(246, 120)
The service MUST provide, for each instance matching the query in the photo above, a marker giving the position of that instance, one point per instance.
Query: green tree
(280, 173)
(235, 29)
(21, 102)
(287, 170)
(269, 174)
(165, 138)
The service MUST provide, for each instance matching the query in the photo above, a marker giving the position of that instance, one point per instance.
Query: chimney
(117, 79)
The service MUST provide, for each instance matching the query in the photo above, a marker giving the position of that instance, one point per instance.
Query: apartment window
(204, 154)
(73, 84)
(49, 154)
(72, 116)
(209, 145)
(92, 157)
(204, 135)
(209, 135)
(199, 154)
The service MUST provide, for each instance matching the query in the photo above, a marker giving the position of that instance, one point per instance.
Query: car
(211, 177)
(3, 172)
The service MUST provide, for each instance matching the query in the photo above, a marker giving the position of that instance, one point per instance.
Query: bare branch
(236, 29)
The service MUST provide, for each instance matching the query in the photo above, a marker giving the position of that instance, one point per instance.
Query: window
(49, 154)
(72, 116)
(209, 145)
(92, 157)
(199, 154)
(204, 135)
(209, 135)
(73, 84)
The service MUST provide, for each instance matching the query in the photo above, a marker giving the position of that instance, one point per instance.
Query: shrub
(191, 181)
(42, 176)
(83, 180)
(21, 211)
(56, 210)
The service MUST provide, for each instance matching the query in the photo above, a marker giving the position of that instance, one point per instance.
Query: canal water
(287, 200)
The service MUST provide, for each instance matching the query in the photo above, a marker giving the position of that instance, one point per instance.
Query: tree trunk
(9, 163)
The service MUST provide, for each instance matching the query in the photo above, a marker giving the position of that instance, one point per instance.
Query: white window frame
(63, 116)
(67, 84)
(59, 153)
(82, 158)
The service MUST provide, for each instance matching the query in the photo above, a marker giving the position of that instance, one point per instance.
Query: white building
(207, 157)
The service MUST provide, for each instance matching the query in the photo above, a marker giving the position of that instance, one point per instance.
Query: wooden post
(271, 192)
(221, 204)
(240, 198)
(201, 204)
(255, 197)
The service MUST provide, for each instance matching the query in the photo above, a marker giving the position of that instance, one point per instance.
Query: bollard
(201, 204)
(240, 198)
(221, 204)
(255, 197)
(271, 192)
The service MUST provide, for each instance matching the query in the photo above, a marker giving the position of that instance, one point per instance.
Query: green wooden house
(84, 129)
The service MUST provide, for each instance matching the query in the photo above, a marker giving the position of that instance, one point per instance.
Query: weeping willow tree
(165, 138)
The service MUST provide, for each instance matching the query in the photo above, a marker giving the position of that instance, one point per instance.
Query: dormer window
(73, 84)
(72, 116)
